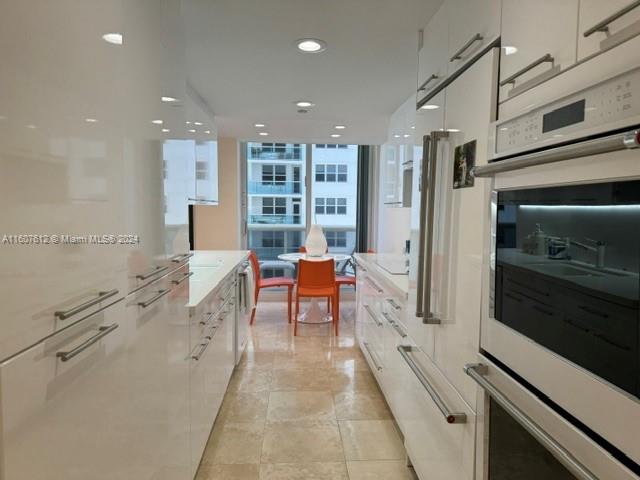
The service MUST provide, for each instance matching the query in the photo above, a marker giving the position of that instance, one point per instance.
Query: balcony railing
(263, 219)
(288, 152)
(274, 188)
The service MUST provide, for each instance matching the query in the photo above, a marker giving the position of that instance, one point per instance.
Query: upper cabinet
(433, 56)
(538, 39)
(472, 27)
(456, 34)
(604, 24)
(397, 156)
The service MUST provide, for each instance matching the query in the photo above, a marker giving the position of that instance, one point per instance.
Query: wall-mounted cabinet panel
(472, 26)
(539, 40)
(433, 57)
(603, 25)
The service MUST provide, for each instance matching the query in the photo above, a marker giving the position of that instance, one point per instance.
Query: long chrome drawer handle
(146, 303)
(373, 358)
(375, 286)
(184, 277)
(181, 257)
(206, 200)
(477, 372)
(449, 416)
(603, 26)
(102, 332)
(373, 315)
(548, 58)
(394, 325)
(64, 314)
(458, 55)
(198, 356)
(394, 304)
(423, 87)
(153, 273)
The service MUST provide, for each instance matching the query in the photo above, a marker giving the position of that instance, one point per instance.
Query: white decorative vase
(316, 243)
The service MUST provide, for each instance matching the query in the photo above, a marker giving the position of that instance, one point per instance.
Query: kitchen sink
(565, 270)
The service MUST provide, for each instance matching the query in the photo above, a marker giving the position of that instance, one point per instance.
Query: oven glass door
(515, 454)
(567, 263)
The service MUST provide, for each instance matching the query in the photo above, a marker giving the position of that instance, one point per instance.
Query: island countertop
(388, 267)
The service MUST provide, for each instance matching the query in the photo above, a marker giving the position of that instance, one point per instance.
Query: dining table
(313, 314)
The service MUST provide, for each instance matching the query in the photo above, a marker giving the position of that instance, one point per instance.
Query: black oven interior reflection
(567, 263)
(515, 454)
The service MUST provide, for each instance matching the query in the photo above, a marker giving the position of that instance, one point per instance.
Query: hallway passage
(303, 408)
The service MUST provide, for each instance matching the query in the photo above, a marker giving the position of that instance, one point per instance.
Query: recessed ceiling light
(510, 50)
(31, 126)
(157, 122)
(413, 127)
(504, 129)
(207, 131)
(259, 125)
(91, 120)
(406, 135)
(335, 135)
(169, 99)
(198, 123)
(165, 130)
(339, 127)
(192, 131)
(453, 130)
(304, 103)
(188, 122)
(263, 134)
(396, 136)
(113, 38)
(430, 106)
(311, 45)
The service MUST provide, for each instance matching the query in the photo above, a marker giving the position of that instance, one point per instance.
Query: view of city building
(277, 197)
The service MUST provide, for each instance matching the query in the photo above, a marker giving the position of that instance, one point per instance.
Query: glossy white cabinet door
(73, 420)
(593, 12)
(391, 165)
(206, 172)
(433, 57)
(466, 227)
(472, 24)
(536, 29)
(437, 449)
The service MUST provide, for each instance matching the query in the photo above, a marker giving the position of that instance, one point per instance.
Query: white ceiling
(242, 59)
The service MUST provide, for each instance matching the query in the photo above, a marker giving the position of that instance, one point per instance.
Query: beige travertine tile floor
(303, 408)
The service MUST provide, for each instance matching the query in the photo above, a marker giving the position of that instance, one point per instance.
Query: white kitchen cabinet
(433, 57)
(618, 20)
(391, 174)
(437, 449)
(73, 419)
(473, 25)
(206, 173)
(461, 228)
(539, 39)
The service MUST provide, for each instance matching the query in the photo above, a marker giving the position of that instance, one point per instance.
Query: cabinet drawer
(621, 24)
(437, 449)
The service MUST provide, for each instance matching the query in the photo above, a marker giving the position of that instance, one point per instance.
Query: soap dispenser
(540, 241)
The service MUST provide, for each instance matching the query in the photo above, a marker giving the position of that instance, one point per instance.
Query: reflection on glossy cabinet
(539, 39)
(603, 25)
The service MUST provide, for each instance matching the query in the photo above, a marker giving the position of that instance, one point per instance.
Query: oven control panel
(595, 110)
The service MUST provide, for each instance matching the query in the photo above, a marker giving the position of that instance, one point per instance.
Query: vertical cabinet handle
(102, 332)
(477, 372)
(64, 314)
(603, 26)
(423, 184)
(450, 417)
(458, 55)
(373, 358)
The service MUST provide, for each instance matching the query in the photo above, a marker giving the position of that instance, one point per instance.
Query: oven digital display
(564, 116)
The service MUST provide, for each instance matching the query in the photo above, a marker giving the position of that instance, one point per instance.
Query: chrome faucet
(598, 249)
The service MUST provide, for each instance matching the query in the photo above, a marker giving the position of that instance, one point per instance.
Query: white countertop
(382, 265)
(209, 268)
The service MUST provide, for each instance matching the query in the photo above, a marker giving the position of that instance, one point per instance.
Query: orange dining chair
(261, 283)
(303, 249)
(317, 279)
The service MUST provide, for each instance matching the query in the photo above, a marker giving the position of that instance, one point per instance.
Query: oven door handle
(477, 372)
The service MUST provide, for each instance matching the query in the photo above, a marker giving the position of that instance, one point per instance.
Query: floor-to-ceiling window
(277, 198)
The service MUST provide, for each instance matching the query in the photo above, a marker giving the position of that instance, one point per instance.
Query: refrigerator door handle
(427, 246)
(426, 148)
